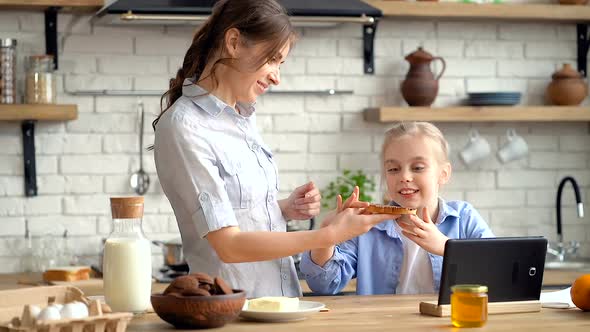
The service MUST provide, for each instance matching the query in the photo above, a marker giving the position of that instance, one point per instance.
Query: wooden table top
(389, 313)
(373, 313)
(551, 279)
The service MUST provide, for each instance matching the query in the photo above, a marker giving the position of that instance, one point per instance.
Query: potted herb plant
(344, 185)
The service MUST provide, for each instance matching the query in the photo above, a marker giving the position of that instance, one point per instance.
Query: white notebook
(560, 299)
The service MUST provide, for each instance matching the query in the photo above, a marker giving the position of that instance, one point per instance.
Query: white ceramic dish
(306, 308)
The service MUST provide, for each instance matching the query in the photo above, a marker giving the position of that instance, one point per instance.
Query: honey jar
(469, 305)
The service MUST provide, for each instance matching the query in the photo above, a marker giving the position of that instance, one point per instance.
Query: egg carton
(14, 309)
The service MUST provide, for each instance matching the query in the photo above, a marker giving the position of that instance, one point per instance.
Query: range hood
(302, 12)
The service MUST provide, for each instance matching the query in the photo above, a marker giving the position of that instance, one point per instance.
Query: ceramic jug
(420, 86)
(567, 88)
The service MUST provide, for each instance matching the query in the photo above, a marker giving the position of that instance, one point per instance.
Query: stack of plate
(493, 98)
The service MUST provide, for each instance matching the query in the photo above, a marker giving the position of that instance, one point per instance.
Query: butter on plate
(274, 304)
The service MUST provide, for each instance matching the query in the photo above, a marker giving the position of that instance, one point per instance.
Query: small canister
(40, 80)
(469, 305)
(7, 71)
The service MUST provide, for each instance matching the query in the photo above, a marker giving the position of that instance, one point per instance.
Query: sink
(577, 264)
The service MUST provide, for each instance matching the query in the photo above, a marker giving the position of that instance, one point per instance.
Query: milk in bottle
(127, 263)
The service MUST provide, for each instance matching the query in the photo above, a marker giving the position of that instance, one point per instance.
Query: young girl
(216, 171)
(402, 256)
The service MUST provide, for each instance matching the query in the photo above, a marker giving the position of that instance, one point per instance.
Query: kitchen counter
(389, 313)
(551, 279)
(95, 286)
(368, 313)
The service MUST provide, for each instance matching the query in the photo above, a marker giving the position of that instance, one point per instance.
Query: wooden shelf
(21, 112)
(458, 10)
(85, 5)
(479, 114)
(27, 114)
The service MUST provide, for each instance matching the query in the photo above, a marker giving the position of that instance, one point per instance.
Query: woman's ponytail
(257, 21)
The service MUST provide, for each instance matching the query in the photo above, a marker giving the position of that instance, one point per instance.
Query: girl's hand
(424, 232)
(303, 203)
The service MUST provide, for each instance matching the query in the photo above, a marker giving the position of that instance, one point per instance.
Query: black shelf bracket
(583, 41)
(369, 31)
(28, 129)
(51, 33)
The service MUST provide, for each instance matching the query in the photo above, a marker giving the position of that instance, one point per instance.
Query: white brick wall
(95, 44)
(494, 49)
(81, 163)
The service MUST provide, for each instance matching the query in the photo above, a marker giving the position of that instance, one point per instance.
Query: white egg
(49, 313)
(83, 308)
(34, 310)
(74, 310)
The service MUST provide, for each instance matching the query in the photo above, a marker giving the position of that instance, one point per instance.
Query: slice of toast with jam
(388, 209)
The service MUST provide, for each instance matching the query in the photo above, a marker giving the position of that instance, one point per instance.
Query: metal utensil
(173, 255)
(140, 180)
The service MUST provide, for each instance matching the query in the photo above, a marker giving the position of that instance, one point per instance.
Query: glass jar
(127, 262)
(469, 305)
(40, 80)
(7, 71)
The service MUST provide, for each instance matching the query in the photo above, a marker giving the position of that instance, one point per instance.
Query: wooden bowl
(199, 312)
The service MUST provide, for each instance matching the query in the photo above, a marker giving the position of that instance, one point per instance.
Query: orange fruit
(580, 292)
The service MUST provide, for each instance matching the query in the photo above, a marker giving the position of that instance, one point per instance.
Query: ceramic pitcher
(567, 87)
(420, 86)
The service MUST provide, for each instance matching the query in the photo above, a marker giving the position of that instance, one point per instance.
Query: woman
(217, 173)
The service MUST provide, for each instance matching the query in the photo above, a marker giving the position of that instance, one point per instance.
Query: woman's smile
(262, 86)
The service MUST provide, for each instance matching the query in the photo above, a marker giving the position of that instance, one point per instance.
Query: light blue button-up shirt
(217, 172)
(375, 258)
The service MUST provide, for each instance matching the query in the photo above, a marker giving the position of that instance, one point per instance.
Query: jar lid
(127, 207)
(566, 72)
(7, 42)
(419, 54)
(468, 288)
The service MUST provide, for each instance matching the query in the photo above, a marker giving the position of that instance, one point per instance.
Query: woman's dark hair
(257, 20)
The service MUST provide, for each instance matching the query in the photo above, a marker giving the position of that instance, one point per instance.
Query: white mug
(476, 149)
(514, 148)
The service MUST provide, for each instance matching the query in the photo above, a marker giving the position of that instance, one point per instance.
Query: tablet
(511, 267)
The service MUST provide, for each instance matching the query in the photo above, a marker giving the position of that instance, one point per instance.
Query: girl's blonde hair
(416, 128)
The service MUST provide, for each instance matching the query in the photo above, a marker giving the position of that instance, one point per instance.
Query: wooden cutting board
(90, 287)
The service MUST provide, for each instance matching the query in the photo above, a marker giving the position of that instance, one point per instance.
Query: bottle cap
(127, 207)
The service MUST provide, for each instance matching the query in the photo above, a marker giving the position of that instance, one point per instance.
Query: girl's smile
(408, 192)
(414, 170)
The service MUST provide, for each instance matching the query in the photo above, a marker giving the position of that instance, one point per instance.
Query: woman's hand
(352, 222)
(321, 256)
(303, 203)
(423, 232)
(351, 202)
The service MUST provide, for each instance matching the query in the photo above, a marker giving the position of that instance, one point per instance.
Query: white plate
(306, 308)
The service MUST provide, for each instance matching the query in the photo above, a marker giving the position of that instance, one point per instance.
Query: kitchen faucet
(562, 250)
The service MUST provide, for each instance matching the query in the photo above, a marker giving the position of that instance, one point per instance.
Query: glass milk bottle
(127, 263)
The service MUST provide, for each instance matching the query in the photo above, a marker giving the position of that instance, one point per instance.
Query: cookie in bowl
(198, 301)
